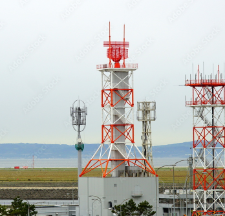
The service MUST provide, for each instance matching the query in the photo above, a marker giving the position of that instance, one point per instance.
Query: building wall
(116, 190)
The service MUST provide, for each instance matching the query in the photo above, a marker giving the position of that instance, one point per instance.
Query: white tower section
(119, 114)
(146, 112)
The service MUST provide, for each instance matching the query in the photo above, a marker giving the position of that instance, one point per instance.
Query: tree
(20, 208)
(3, 210)
(145, 209)
(130, 208)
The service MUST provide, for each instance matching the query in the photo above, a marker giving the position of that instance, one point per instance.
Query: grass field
(44, 174)
(70, 174)
(166, 175)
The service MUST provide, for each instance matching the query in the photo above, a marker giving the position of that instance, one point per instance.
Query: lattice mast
(78, 114)
(117, 146)
(208, 102)
(146, 113)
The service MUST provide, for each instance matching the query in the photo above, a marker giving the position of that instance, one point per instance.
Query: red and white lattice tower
(208, 103)
(117, 148)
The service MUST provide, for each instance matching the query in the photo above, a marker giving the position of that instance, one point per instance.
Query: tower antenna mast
(78, 112)
(146, 112)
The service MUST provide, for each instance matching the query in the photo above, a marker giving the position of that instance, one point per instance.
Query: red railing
(128, 65)
(205, 82)
(205, 102)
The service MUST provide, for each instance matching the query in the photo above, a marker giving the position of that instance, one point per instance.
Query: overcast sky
(49, 50)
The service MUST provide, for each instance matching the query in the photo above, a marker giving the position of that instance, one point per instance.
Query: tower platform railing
(121, 65)
(205, 82)
(205, 102)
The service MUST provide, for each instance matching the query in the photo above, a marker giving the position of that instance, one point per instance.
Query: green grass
(70, 174)
(45, 174)
(166, 175)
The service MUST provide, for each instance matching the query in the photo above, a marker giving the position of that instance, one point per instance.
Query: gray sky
(49, 51)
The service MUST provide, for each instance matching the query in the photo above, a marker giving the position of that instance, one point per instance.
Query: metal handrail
(128, 65)
(205, 82)
(205, 102)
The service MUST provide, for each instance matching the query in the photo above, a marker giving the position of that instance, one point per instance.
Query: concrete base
(96, 195)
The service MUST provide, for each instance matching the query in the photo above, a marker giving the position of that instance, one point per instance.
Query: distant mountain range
(27, 150)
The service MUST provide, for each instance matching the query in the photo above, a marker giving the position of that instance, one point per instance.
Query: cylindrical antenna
(124, 46)
(198, 73)
(203, 70)
(224, 68)
(110, 49)
(218, 72)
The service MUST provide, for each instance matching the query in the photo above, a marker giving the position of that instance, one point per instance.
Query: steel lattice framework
(117, 146)
(208, 103)
(146, 113)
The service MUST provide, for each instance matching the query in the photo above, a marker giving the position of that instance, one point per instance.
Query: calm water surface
(72, 162)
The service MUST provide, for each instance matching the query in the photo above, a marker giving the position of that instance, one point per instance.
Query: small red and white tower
(117, 148)
(208, 103)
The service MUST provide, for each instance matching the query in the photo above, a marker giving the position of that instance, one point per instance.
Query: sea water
(72, 162)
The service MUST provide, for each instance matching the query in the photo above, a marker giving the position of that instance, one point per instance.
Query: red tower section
(208, 102)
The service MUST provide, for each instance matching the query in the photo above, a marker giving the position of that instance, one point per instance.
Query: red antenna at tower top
(124, 46)
(117, 50)
(110, 62)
